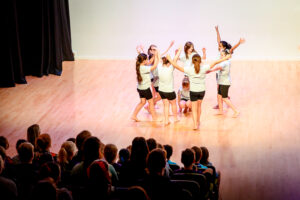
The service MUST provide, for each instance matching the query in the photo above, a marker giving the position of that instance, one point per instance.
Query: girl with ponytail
(196, 73)
(144, 84)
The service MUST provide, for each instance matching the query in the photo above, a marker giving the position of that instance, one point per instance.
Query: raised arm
(218, 35)
(204, 54)
(219, 61)
(241, 41)
(177, 54)
(175, 64)
(171, 44)
(156, 60)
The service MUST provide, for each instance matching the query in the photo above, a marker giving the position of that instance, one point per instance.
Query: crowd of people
(86, 168)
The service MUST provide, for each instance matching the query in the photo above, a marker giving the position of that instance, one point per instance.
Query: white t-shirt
(165, 74)
(154, 74)
(224, 73)
(184, 94)
(197, 81)
(187, 61)
(145, 73)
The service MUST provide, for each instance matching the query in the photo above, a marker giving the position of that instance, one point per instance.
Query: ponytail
(140, 59)
(196, 61)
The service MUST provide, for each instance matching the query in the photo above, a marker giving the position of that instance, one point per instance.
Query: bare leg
(217, 106)
(152, 111)
(137, 109)
(189, 105)
(228, 102)
(199, 112)
(166, 111)
(220, 101)
(157, 98)
(194, 111)
(174, 109)
(181, 105)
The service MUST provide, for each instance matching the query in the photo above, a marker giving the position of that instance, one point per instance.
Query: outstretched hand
(204, 49)
(242, 40)
(217, 28)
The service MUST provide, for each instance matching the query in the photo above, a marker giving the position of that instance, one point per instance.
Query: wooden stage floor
(257, 152)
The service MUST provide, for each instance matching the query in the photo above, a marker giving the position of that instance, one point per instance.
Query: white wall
(110, 29)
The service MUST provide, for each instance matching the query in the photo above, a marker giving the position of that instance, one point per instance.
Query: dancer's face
(153, 49)
(221, 46)
(190, 50)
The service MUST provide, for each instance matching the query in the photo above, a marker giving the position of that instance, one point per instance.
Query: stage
(257, 153)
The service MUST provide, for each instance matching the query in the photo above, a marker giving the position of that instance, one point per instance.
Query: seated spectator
(135, 169)
(51, 171)
(169, 150)
(72, 140)
(135, 192)
(8, 189)
(198, 156)
(205, 155)
(45, 190)
(99, 181)
(65, 155)
(25, 173)
(33, 132)
(156, 184)
(80, 138)
(110, 155)
(16, 159)
(44, 155)
(151, 142)
(124, 156)
(8, 164)
(4, 143)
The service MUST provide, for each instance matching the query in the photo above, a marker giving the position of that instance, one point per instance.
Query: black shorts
(197, 95)
(156, 89)
(167, 95)
(145, 93)
(223, 90)
(184, 99)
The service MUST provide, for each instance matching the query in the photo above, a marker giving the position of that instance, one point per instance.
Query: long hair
(150, 55)
(227, 47)
(139, 60)
(196, 60)
(187, 46)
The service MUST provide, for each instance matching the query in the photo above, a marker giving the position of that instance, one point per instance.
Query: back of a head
(156, 161)
(70, 149)
(4, 142)
(1, 164)
(19, 142)
(136, 192)
(198, 153)
(26, 152)
(196, 60)
(33, 132)
(187, 157)
(2, 152)
(44, 190)
(91, 147)
(169, 150)
(139, 151)
(81, 137)
(124, 155)
(205, 156)
(72, 140)
(43, 142)
(151, 142)
(110, 153)
(50, 170)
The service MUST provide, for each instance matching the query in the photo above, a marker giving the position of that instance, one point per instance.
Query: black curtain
(37, 39)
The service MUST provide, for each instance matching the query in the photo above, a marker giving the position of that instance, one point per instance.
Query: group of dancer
(155, 71)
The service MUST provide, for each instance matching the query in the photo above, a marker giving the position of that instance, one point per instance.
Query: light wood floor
(257, 153)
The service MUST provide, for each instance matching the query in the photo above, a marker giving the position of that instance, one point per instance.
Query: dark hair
(4, 142)
(81, 137)
(165, 60)
(43, 142)
(169, 150)
(124, 155)
(205, 155)
(196, 60)
(198, 153)
(156, 161)
(187, 157)
(91, 147)
(26, 152)
(151, 142)
(110, 152)
(19, 142)
(227, 47)
(45, 190)
(187, 46)
(185, 81)
(149, 49)
(72, 140)
(33, 132)
(136, 192)
(139, 152)
(139, 60)
(50, 170)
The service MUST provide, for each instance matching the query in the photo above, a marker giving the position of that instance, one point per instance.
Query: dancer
(224, 82)
(144, 84)
(166, 88)
(196, 73)
(225, 46)
(184, 101)
(189, 52)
